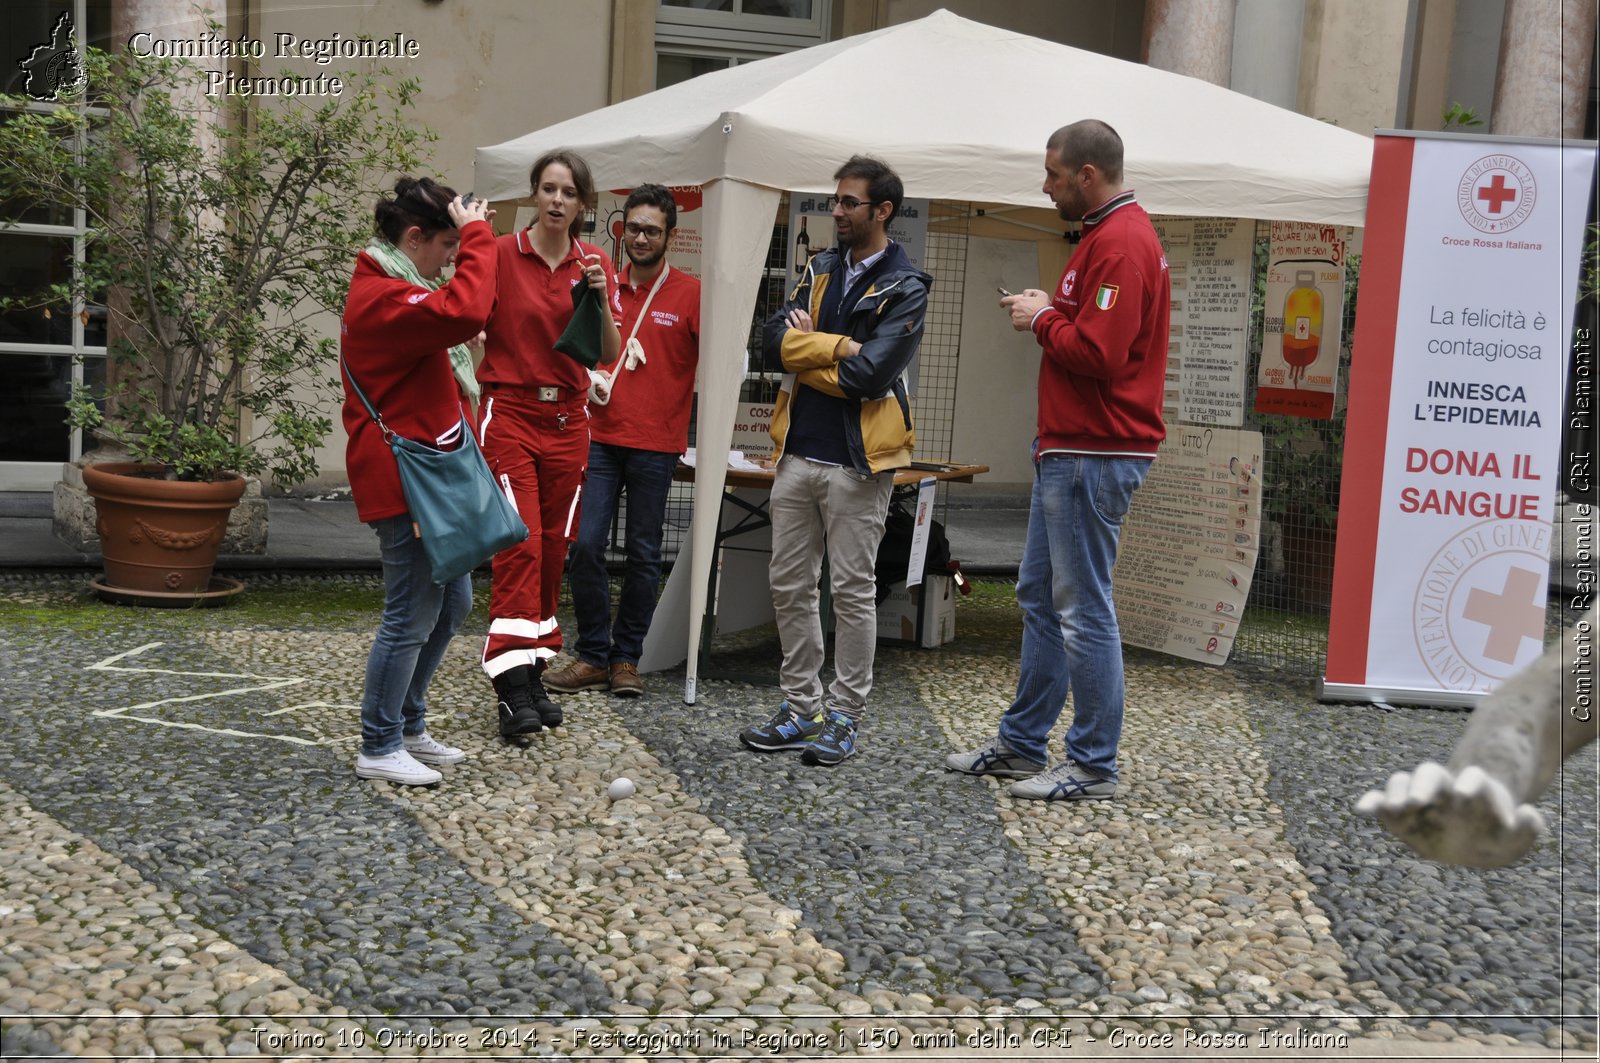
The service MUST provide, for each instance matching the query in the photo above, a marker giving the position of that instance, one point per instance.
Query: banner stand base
(1386, 696)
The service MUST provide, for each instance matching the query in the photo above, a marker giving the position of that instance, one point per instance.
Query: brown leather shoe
(579, 675)
(625, 681)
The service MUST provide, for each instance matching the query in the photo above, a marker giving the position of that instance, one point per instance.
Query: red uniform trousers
(538, 452)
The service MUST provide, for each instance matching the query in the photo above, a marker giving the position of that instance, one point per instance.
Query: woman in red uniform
(534, 428)
(398, 330)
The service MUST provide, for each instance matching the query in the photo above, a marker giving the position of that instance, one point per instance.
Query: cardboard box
(921, 616)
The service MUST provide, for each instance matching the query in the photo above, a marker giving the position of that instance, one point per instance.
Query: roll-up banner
(1463, 335)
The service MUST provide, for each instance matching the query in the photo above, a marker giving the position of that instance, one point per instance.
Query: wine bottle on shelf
(802, 247)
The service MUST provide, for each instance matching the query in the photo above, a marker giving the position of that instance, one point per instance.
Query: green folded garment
(581, 339)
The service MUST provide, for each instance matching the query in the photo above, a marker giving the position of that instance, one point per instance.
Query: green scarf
(397, 265)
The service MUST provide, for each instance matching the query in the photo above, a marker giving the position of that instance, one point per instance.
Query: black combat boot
(549, 711)
(518, 691)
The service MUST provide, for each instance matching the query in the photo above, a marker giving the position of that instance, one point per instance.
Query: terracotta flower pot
(156, 535)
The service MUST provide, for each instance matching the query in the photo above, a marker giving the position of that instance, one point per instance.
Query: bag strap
(389, 434)
(377, 418)
(666, 267)
(622, 355)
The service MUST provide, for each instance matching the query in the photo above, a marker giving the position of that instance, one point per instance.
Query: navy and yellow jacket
(887, 321)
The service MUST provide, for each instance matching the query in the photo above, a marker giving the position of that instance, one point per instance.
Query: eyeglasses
(650, 232)
(848, 202)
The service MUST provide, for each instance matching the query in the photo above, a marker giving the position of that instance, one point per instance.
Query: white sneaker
(398, 766)
(426, 748)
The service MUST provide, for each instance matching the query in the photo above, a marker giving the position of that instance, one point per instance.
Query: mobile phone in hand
(1002, 291)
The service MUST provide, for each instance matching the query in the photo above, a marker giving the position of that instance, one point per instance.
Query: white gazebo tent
(962, 111)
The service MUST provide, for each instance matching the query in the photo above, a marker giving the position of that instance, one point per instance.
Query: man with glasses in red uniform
(638, 425)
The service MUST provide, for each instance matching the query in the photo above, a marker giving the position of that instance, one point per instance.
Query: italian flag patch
(1106, 297)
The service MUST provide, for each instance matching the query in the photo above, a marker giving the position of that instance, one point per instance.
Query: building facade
(491, 70)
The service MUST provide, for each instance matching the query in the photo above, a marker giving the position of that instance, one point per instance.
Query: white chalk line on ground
(130, 712)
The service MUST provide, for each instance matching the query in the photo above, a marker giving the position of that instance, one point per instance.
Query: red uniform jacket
(533, 306)
(396, 338)
(1105, 339)
(649, 409)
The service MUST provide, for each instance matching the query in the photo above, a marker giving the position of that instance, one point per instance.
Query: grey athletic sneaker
(1065, 782)
(835, 743)
(786, 730)
(997, 759)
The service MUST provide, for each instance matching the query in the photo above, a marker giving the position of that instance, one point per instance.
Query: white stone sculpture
(1478, 810)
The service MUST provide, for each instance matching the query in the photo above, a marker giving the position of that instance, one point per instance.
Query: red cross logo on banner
(1496, 194)
(1514, 614)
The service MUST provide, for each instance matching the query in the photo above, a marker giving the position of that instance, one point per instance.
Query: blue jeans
(1070, 639)
(419, 618)
(646, 475)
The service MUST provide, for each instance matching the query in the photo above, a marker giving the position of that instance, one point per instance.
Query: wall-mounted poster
(1299, 373)
(684, 250)
(811, 229)
(1209, 261)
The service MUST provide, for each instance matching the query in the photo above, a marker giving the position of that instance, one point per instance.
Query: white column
(1351, 61)
(180, 21)
(1545, 50)
(1193, 37)
(166, 19)
(1266, 50)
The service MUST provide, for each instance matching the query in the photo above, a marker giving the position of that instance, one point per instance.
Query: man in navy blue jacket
(842, 426)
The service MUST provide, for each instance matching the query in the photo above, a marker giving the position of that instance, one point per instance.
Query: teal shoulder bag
(463, 517)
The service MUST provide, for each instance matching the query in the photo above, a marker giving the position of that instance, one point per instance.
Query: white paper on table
(736, 461)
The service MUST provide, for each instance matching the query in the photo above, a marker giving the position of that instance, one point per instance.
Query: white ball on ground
(620, 788)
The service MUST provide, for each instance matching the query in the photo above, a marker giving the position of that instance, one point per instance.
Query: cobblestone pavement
(190, 868)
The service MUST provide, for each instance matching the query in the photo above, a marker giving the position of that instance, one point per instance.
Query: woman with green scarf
(401, 341)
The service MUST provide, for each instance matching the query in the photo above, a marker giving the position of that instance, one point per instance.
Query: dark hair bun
(418, 201)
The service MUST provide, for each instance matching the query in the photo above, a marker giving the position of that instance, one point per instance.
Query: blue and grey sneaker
(1065, 782)
(996, 759)
(786, 730)
(836, 742)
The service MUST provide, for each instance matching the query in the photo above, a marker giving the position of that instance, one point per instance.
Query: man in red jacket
(638, 425)
(1104, 337)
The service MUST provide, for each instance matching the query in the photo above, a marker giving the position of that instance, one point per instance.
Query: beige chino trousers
(817, 507)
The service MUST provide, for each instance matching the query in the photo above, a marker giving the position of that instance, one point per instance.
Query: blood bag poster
(1299, 373)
